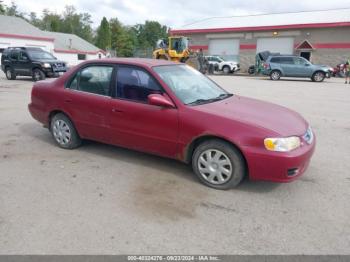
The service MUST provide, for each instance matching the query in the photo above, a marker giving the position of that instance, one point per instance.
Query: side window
(23, 56)
(74, 82)
(93, 79)
(136, 84)
(275, 60)
(286, 60)
(14, 55)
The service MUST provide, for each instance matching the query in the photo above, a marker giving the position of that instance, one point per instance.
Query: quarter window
(93, 79)
(135, 84)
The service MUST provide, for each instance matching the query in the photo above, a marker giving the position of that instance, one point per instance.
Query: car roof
(148, 62)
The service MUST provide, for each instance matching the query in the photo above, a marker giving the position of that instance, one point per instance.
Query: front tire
(226, 70)
(10, 74)
(318, 76)
(275, 75)
(64, 132)
(218, 164)
(38, 75)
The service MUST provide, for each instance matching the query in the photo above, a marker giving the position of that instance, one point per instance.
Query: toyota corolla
(172, 110)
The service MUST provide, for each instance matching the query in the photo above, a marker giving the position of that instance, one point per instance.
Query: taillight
(266, 65)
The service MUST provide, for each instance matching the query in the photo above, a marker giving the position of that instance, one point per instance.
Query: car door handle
(115, 110)
(68, 100)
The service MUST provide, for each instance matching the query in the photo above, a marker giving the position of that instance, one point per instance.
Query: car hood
(274, 118)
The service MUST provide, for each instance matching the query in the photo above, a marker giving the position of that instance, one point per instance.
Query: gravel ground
(101, 199)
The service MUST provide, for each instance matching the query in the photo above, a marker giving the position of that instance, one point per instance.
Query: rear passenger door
(87, 99)
(287, 66)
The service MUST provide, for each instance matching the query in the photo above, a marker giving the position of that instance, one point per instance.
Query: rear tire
(64, 132)
(318, 76)
(275, 75)
(38, 75)
(10, 74)
(218, 164)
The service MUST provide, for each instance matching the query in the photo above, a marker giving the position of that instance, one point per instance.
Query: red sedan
(172, 110)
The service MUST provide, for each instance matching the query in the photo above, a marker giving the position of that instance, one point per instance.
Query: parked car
(293, 66)
(30, 61)
(223, 65)
(174, 111)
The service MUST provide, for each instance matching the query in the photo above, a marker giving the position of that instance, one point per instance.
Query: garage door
(283, 45)
(227, 48)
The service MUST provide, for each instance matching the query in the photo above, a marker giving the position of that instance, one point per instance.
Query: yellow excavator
(175, 48)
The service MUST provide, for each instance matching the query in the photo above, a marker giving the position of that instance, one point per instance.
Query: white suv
(223, 65)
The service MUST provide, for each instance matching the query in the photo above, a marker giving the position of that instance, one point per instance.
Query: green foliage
(149, 33)
(123, 38)
(12, 10)
(103, 38)
(2, 8)
(109, 35)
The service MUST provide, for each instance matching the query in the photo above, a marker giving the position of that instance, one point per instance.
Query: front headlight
(46, 65)
(282, 144)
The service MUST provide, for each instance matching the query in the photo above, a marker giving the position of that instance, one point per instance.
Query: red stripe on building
(247, 46)
(332, 45)
(27, 37)
(78, 52)
(204, 47)
(259, 28)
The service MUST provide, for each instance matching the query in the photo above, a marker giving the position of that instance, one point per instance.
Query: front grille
(58, 65)
(292, 172)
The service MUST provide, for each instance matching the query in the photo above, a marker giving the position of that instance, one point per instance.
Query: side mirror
(160, 100)
(307, 64)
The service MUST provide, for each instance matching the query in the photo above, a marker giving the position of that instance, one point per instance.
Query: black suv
(28, 61)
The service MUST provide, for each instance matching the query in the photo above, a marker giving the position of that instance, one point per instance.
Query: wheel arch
(278, 70)
(197, 141)
(59, 111)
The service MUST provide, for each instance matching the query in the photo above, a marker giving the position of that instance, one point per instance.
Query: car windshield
(220, 59)
(40, 55)
(189, 85)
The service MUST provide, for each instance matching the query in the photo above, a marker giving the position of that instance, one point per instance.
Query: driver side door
(134, 122)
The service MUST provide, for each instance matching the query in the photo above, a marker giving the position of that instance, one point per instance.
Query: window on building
(81, 56)
(135, 84)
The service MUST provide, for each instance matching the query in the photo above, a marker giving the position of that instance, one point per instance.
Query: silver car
(294, 66)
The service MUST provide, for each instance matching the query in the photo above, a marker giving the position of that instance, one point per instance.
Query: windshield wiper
(210, 100)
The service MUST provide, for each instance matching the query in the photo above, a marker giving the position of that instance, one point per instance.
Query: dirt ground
(101, 199)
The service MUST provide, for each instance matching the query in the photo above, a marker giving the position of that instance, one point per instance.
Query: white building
(15, 31)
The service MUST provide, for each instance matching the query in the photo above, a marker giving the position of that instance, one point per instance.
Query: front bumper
(54, 71)
(278, 166)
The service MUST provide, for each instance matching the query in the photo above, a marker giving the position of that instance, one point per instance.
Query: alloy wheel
(215, 166)
(61, 132)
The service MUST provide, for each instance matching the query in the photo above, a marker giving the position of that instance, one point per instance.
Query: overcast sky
(175, 13)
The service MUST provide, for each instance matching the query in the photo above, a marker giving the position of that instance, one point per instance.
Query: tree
(103, 38)
(76, 23)
(50, 21)
(2, 8)
(123, 39)
(149, 33)
(12, 10)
